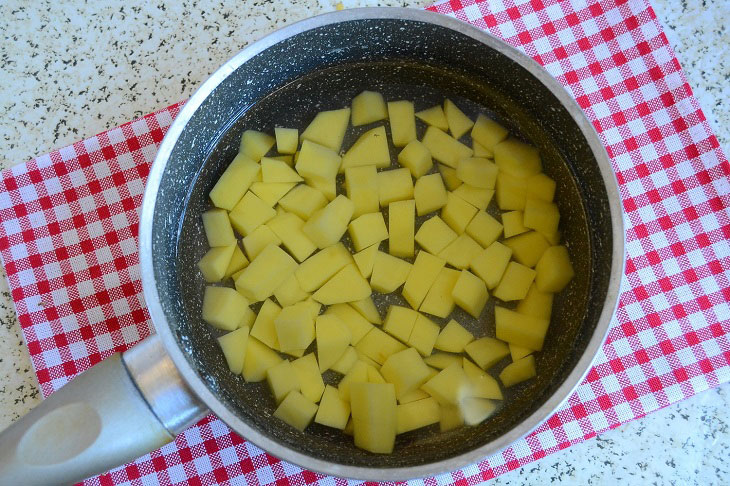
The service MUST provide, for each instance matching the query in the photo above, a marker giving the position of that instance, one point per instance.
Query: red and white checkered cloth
(69, 221)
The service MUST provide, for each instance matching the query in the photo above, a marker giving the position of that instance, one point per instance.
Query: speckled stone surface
(68, 71)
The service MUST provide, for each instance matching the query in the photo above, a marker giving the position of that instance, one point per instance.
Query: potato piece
(317, 163)
(536, 303)
(271, 192)
(450, 418)
(217, 228)
(394, 185)
(527, 248)
(399, 322)
(424, 335)
(303, 201)
(238, 262)
(389, 273)
(477, 172)
(461, 251)
(526, 331)
(453, 338)
(265, 273)
(347, 285)
(233, 345)
(487, 352)
(234, 182)
(442, 361)
(328, 128)
(215, 262)
(369, 362)
(374, 375)
(434, 117)
(488, 132)
(541, 216)
(475, 196)
(540, 186)
(328, 187)
(255, 145)
(438, 300)
(434, 235)
(368, 107)
(378, 346)
(429, 193)
(346, 362)
(289, 228)
(357, 374)
(258, 239)
(374, 416)
(366, 308)
(313, 306)
(416, 158)
(263, 327)
(356, 324)
(320, 267)
(294, 327)
(450, 386)
(413, 396)
(364, 260)
(402, 122)
(458, 122)
(405, 370)
(490, 264)
(417, 414)
(333, 338)
(511, 192)
(457, 213)
(423, 274)
(282, 379)
(290, 292)
(554, 270)
(287, 140)
(367, 230)
(333, 411)
(515, 282)
(480, 150)
(259, 358)
(512, 221)
(307, 372)
(273, 170)
(484, 229)
(448, 174)
(482, 384)
(477, 410)
(517, 158)
(401, 224)
(250, 213)
(370, 149)
(519, 371)
(362, 189)
(518, 352)
(327, 225)
(445, 148)
(296, 411)
(470, 293)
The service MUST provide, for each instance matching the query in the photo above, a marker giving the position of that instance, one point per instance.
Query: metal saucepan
(137, 401)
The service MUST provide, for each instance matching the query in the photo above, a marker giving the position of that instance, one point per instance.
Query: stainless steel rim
(197, 384)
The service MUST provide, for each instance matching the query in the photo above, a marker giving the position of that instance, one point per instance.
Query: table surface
(69, 71)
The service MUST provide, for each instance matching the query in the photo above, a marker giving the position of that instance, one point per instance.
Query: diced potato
(517, 158)
(511, 192)
(357, 325)
(518, 352)
(416, 157)
(402, 225)
(287, 140)
(423, 274)
(233, 345)
(450, 417)
(310, 379)
(366, 308)
(453, 338)
(479, 198)
(364, 260)
(441, 361)
(369, 362)
(367, 230)
(541, 216)
(540, 186)
(282, 379)
(347, 285)
(399, 322)
(486, 351)
(554, 270)
(402, 122)
(378, 346)
(234, 182)
(445, 148)
(328, 187)
(434, 235)
(488, 132)
(328, 128)
(519, 371)
(303, 201)
(450, 386)
(215, 262)
(296, 410)
(480, 150)
(457, 213)
(333, 338)
(273, 170)
(458, 122)
(320, 267)
(414, 415)
(258, 239)
(265, 273)
(238, 262)
(484, 229)
(394, 185)
(461, 251)
(294, 327)
(259, 358)
(405, 370)
(327, 225)
(434, 117)
(255, 145)
(345, 363)
(263, 327)
(527, 248)
(477, 410)
(389, 273)
(368, 107)
(288, 227)
(526, 331)
(413, 396)
(490, 264)
(424, 335)
(357, 374)
(250, 213)
(290, 292)
(448, 174)
(374, 416)
(271, 192)
(429, 193)
(314, 307)
(316, 162)
(374, 375)
(438, 300)
(370, 149)
(515, 282)
(513, 223)
(470, 293)
(477, 172)
(362, 189)
(217, 228)
(482, 384)
(333, 411)
(536, 303)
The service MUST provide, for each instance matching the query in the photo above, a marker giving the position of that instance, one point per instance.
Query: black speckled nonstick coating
(323, 69)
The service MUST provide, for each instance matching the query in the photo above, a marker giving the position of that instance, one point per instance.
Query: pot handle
(109, 415)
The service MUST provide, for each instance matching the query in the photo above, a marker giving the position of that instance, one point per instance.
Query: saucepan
(135, 402)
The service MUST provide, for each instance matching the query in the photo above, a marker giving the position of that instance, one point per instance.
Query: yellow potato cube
(282, 379)
(450, 418)
(259, 358)
(255, 145)
(294, 327)
(290, 292)
(512, 222)
(434, 117)
(434, 235)
(453, 338)
(536, 303)
(438, 300)
(320, 267)
(554, 270)
(328, 128)
(540, 186)
(457, 213)
(458, 122)
(402, 122)
(515, 282)
(399, 322)
(378, 346)
(389, 273)
(517, 158)
(470, 293)
(445, 148)
(488, 133)
(477, 172)
(486, 351)
(484, 229)
(357, 374)
(333, 338)
(356, 324)
(429, 193)
(273, 170)
(416, 158)
(527, 248)
(307, 372)
(490, 264)
(258, 239)
(238, 262)
(368, 107)
(476, 410)
(405, 370)
(288, 227)
(526, 331)
(442, 361)
(265, 273)
(234, 182)
(347, 285)
(362, 189)
(370, 149)
(215, 262)
(263, 327)
(423, 274)
(461, 251)
(327, 225)
(287, 140)
(233, 345)
(303, 201)
(417, 414)
(424, 335)
(480, 150)
(511, 192)
(366, 308)
(519, 371)
(328, 187)
(364, 260)
(374, 416)
(448, 174)
(367, 230)
(250, 213)
(518, 352)
(401, 223)
(271, 192)
(217, 228)
(394, 185)
(317, 163)
(333, 411)
(482, 384)
(541, 216)
(475, 196)
(296, 411)
(345, 363)
(450, 386)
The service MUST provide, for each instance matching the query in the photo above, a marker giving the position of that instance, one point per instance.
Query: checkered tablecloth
(69, 225)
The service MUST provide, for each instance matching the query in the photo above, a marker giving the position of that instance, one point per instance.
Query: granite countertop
(70, 71)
